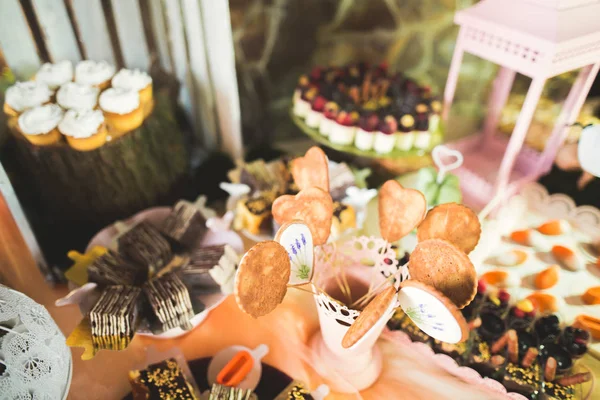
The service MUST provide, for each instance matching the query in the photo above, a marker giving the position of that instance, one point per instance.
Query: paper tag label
(429, 314)
(297, 241)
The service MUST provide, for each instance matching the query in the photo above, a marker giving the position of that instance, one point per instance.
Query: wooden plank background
(190, 39)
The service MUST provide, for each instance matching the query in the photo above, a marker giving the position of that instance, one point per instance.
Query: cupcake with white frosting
(39, 124)
(25, 95)
(94, 73)
(77, 96)
(84, 129)
(134, 79)
(122, 110)
(55, 75)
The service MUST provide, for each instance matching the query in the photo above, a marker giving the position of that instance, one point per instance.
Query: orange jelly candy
(587, 322)
(521, 237)
(591, 296)
(543, 302)
(547, 278)
(553, 228)
(234, 372)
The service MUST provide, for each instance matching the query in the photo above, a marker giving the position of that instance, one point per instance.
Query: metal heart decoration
(446, 160)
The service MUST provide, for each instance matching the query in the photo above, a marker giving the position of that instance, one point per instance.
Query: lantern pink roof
(559, 34)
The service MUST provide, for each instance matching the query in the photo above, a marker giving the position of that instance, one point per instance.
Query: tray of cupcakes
(528, 352)
(158, 273)
(367, 111)
(254, 186)
(85, 106)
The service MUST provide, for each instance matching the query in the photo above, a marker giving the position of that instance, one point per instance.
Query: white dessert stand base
(359, 371)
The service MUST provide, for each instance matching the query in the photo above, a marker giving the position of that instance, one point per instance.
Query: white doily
(372, 258)
(35, 362)
(378, 253)
(342, 314)
(561, 206)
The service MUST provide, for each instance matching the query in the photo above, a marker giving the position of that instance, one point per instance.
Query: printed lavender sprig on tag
(298, 258)
(297, 240)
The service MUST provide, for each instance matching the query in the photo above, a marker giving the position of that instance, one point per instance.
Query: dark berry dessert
(547, 327)
(575, 341)
(521, 315)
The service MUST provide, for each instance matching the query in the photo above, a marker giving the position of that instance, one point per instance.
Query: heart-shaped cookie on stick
(400, 210)
(443, 266)
(452, 222)
(311, 170)
(261, 279)
(312, 205)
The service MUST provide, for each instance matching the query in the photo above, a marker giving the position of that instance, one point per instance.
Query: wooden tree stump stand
(71, 192)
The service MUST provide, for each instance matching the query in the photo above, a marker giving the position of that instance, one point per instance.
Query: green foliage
(303, 272)
(425, 180)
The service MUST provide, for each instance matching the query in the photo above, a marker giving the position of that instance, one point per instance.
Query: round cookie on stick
(261, 279)
(311, 170)
(445, 267)
(312, 205)
(400, 210)
(373, 312)
(452, 222)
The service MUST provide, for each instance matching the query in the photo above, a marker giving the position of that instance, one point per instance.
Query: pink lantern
(539, 39)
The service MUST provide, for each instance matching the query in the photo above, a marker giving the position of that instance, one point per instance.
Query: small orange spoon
(234, 372)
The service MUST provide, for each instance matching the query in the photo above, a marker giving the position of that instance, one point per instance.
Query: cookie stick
(529, 357)
(550, 369)
(575, 379)
(367, 297)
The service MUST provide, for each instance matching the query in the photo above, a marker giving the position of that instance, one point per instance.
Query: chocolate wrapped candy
(169, 301)
(224, 272)
(185, 224)
(144, 245)
(211, 266)
(163, 380)
(113, 269)
(114, 317)
(195, 273)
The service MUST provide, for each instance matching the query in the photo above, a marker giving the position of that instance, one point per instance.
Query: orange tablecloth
(105, 377)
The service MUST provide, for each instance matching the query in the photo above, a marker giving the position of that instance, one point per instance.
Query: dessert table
(105, 376)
